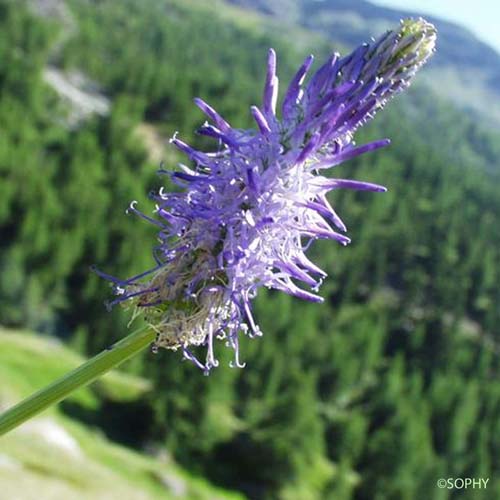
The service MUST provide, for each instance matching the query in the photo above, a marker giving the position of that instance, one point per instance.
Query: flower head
(248, 211)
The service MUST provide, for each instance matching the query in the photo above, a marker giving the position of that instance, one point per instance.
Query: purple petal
(358, 185)
(211, 131)
(350, 153)
(212, 114)
(308, 149)
(294, 88)
(271, 86)
(260, 120)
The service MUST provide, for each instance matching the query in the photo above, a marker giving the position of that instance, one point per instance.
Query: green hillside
(388, 386)
(55, 457)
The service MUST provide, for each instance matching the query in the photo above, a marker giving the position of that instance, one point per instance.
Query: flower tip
(271, 63)
(173, 139)
(131, 207)
(423, 31)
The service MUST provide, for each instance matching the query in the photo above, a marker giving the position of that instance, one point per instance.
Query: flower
(248, 211)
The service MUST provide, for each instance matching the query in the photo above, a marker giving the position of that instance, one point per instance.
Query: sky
(482, 17)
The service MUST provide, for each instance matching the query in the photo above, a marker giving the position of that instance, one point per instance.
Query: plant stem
(83, 375)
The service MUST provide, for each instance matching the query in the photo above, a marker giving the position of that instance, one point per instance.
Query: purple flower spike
(247, 213)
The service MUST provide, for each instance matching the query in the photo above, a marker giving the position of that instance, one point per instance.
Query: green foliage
(389, 385)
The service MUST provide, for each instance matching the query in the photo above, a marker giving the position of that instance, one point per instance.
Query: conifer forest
(390, 384)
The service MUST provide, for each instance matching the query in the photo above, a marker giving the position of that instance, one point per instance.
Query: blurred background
(388, 386)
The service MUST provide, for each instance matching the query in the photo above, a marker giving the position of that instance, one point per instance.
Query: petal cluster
(247, 212)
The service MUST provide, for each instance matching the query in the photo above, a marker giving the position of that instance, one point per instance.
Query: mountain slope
(464, 70)
(56, 457)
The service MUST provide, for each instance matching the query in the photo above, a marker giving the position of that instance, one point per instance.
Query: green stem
(84, 374)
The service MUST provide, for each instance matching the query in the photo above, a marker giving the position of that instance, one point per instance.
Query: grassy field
(54, 457)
